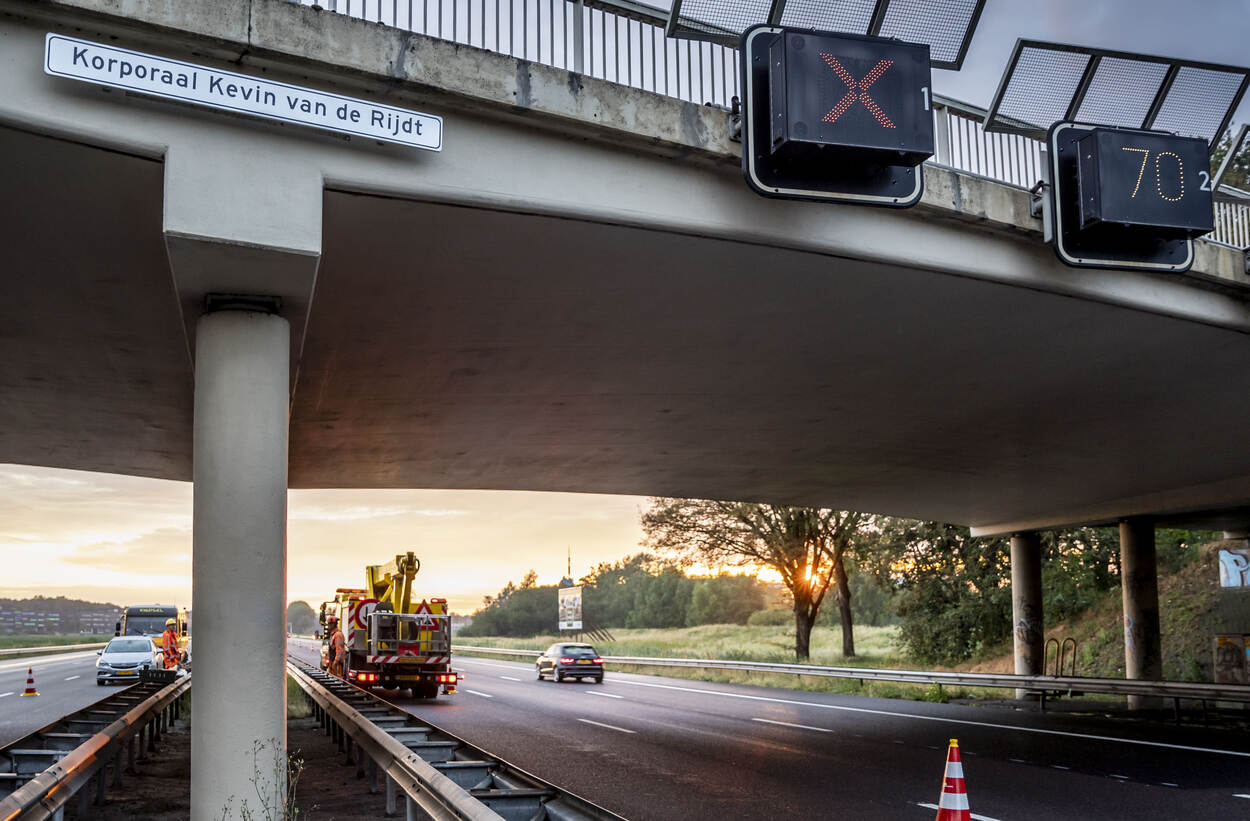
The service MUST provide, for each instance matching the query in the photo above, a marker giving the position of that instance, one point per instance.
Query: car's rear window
(128, 646)
(580, 652)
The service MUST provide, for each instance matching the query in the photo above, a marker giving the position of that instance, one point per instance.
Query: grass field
(876, 647)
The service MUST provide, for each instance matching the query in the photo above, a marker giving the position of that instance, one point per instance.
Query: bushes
(770, 618)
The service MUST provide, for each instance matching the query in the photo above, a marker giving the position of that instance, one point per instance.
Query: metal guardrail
(55, 648)
(438, 773)
(115, 731)
(623, 41)
(1196, 691)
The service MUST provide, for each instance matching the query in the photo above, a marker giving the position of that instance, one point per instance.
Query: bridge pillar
(1143, 652)
(238, 744)
(1028, 632)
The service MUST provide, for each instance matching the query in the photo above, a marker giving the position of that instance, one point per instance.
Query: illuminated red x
(857, 90)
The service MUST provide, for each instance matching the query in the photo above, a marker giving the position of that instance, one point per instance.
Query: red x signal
(857, 90)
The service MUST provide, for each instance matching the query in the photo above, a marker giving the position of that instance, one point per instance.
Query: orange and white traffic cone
(953, 805)
(30, 682)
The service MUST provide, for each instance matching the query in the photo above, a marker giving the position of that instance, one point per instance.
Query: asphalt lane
(65, 682)
(650, 747)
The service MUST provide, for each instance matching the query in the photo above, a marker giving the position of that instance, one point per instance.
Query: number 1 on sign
(924, 92)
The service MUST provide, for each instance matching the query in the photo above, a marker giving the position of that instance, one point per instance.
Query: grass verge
(297, 704)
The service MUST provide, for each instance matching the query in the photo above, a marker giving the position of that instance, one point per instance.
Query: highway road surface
(66, 682)
(653, 748)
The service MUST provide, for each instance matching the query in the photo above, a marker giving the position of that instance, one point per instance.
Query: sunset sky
(115, 538)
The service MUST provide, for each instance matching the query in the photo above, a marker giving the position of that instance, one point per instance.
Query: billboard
(570, 601)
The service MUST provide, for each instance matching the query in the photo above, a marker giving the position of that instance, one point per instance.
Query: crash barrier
(438, 773)
(56, 648)
(1042, 686)
(44, 770)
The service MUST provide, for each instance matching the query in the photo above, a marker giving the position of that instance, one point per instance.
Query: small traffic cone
(953, 805)
(30, 683)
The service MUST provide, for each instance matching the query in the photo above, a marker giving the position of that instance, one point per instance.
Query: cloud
(165, 551)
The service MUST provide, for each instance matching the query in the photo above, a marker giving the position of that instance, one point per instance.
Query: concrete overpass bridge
(578, 293)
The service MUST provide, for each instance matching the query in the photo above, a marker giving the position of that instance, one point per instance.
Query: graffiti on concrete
(1235, 568)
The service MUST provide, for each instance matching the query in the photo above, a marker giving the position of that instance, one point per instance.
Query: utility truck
(393, 641)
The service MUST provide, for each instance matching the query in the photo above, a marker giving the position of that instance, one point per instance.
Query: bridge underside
(459, 347)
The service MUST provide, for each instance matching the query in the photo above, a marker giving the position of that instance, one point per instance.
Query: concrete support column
(238, 744)
(1026, 605)
(1143, 652)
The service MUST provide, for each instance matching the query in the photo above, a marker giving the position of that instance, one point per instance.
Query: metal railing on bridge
(623, 41)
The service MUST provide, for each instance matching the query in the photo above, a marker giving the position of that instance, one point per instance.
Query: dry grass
(875, 646)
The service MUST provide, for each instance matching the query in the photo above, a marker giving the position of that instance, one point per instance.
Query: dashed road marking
(1240, 795)
(1059, 767)
(607, 726)
(71, 678)
(1120, 777)
(510, 678)
(974, 815)
(2, 695)
(1168, 784)
(939, 719)
(797, 726)
(604, 695)
(1017, 761)
(478, 693)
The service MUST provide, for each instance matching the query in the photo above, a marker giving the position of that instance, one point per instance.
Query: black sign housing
(1127, 198)
(835, 116)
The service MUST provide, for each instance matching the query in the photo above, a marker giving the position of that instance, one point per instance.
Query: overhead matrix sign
(239, 93)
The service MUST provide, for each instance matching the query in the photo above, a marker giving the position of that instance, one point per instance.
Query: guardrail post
(390, 797)
(373, 777)
(130, 754)
(411, 812)
(360, 762)
(100, 778)
(117, 769)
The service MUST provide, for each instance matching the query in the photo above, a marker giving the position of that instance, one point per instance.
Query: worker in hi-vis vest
(169, 644)
(338, 647)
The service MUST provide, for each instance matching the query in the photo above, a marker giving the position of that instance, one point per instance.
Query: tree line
(950, 593)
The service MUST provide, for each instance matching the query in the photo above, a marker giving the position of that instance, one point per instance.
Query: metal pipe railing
(623, 41)
(45, 795)
(1197, 691)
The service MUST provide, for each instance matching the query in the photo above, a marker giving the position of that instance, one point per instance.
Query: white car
(124, 657)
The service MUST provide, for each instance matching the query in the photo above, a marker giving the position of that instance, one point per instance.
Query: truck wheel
(429, 689)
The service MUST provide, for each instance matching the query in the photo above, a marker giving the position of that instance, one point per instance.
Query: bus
(149, 620)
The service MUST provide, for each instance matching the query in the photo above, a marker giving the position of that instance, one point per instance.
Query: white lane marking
(510, 678)
(1168, 784)
(1121, 777)
(1059, 767)
(2, 695)
(1240, 795)
(608, 726)
(1017, 761)
(974, 815)
(796, 726)
(478, 693)
(71, 678)
(481, 663)
(603, 695)
(940, 719)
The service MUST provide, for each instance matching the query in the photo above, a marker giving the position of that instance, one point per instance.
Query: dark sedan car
(561, 661)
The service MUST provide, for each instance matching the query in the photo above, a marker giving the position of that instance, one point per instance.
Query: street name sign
(240, 93)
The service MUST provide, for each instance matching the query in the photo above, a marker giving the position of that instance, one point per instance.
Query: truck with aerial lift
(393, 642)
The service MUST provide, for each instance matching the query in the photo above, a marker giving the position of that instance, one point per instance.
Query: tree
(1238, 174)
(300, 618)
(724, 599)
(806, 546)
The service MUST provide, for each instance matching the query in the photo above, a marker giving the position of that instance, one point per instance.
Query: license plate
(409, 678)
(583, 661)
(125, 672)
